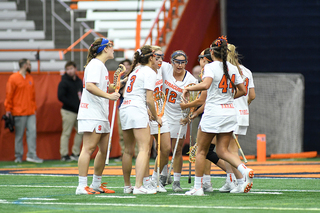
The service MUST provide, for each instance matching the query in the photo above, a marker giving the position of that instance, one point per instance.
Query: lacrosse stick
(116, 81)
(185, 114)
(239, 147)
(193, 95)
(160, 101)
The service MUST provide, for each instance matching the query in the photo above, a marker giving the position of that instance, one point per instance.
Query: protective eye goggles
(179, 62)
(158, 56)
(203, 56)
(110, 44)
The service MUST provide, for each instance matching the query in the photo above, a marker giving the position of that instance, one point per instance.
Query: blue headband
(103, 44)
(177, 53)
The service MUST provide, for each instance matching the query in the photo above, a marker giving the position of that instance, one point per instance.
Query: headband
(177, 53)
(104, 43)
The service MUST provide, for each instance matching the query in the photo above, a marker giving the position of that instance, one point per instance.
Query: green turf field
(53, 193)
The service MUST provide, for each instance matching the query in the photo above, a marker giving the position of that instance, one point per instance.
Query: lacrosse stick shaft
(189, 179)
(173, 155)
(111, 131)
(237, 142)
(158, 159)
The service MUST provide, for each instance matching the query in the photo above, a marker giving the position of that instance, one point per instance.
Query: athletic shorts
(241, 130)
(174, 130)
(218, 124)
(154, 126)
(132, 117)
(87, 125)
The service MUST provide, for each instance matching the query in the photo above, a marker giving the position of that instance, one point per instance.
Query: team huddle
(222, 98)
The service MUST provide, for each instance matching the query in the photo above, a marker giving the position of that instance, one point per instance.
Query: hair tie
(139, 51)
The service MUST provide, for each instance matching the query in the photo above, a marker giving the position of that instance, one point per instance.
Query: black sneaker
(65, 158)
(74, 157)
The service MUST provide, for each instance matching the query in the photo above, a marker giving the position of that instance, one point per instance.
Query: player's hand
(183, 105)
(184, 121)
(114, 96)
(193, 115)
(185, 94)
(159, 121)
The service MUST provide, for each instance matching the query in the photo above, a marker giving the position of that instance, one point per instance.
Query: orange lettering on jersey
(127, 102)
(227, 106)
(174, 87)
(159, 82)
(107, 77)
(99, 127)
(84, 105)
(244, 112)
(136, 70)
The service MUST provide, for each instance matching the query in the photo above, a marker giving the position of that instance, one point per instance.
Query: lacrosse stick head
(117, 76)
(192, 153)
(160, 101)
(192, 96)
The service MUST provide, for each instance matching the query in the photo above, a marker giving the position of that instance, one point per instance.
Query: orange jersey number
(172, 97)
(132, 80)
(224, 83)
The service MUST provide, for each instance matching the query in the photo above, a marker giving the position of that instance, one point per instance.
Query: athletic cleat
(248, 180)
(161, 187)
(163, 180)
(102, 189)
(85, 191)
(227, 187)
(207, 187)
(142, 190)
(176, 186)
(194, 191)
(237, 189)
(127, 189)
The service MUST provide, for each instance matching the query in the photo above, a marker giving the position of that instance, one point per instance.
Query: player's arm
(197, 102)
(241, 90)
(93, 89)
(150, 104)
(252, 95)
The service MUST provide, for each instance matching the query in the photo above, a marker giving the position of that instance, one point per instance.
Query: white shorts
(174, 130)
(154, 126)
(218, 124)
(241, 130)
(87, 125)
(132, 117)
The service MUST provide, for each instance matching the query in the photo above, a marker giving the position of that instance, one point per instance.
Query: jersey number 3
(132, 80)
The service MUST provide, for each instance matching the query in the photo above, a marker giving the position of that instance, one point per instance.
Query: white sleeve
(208, 71)
(93, 73)
(238, 79)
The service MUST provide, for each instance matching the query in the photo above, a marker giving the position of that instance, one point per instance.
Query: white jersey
(241, 103)
(173, 90)
(219, 95)
(91, 106)
(143, 78)
(159, 81)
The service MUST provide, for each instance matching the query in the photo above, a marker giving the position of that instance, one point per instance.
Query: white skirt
(241, 130)
(154, 126)
(133, 117)
(218, 124)
(88, 125)
(174, 130)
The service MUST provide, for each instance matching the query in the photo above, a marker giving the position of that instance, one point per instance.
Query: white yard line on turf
(163, 206)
